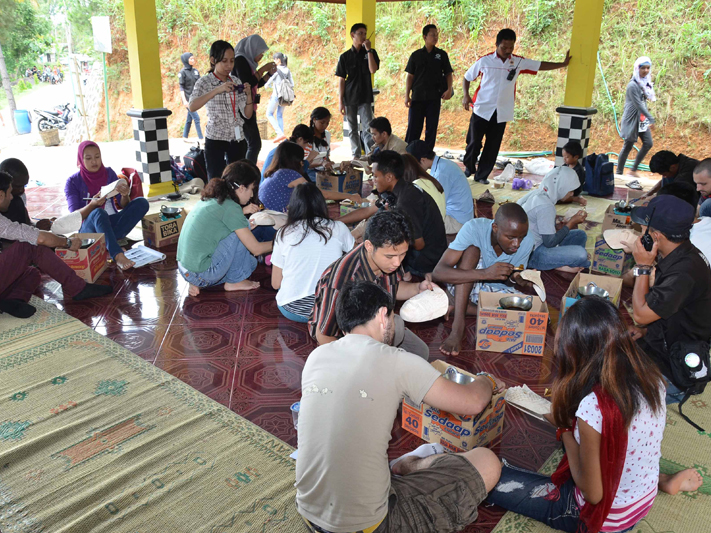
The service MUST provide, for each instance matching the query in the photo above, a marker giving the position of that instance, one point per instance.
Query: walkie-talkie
(647, 240)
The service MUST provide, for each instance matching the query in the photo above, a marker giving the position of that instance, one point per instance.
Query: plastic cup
(295, 414)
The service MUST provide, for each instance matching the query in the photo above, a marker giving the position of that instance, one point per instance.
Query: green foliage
(24, 33)
(541, 14)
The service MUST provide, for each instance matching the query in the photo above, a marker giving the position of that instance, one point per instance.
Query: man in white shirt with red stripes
(493, 103)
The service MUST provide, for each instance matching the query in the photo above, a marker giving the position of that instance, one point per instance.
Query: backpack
(690, 369)
(599, 175)
(194, 162)
(284, 91)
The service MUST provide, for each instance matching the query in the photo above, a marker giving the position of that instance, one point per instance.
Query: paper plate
(615, 237)
(534, 276)
(425, 306)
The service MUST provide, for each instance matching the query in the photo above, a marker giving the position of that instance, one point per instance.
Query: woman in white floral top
(229, 103)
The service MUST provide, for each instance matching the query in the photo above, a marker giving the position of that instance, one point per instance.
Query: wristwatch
(69, 243)
(641, 270)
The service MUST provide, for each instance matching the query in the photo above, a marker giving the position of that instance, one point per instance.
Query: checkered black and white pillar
(574, 124)
(150, 131)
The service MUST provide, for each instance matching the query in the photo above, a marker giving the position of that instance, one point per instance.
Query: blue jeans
(264, 233)
(674, 393)
(231, 263)
(570, 252)
(115, 227)
(292, 316)
(192, 117)
(534, 495)
(705, 209)
(278, 121)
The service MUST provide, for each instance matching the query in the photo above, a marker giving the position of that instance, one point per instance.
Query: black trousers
(254, 139)
(421, 111)
(218, 154)
(478, 129)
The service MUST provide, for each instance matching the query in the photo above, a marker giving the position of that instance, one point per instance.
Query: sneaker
(518, 167)
(501, 163)
(634, 184)
(448, 155)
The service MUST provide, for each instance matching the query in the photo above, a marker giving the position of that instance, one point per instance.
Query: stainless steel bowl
(591, 289)
(85, 243)
(169, 211)
(452, 375)
(517, 302)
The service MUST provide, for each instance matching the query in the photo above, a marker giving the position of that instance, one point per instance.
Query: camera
(239, 88)
(386, 200)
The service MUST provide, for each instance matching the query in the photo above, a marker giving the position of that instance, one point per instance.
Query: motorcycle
(58, 118)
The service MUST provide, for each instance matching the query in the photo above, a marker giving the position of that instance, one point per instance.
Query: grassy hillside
(676, 34)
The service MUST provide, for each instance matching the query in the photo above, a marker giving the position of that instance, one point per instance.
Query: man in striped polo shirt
(379, 259)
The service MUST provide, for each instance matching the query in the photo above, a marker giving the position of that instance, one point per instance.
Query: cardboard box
(510, 330)
(349, 183)
(88, 263)
(608, 261)
(612, 220)
(633, 194)
(454, 432)
(158, 232)
(611, 285)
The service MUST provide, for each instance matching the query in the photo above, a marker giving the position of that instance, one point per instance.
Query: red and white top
(638, 484)
(495, 91)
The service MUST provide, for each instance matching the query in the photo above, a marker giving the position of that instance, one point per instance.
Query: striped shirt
(351, 267)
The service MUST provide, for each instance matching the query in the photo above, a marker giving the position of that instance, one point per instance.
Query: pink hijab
(93, 180)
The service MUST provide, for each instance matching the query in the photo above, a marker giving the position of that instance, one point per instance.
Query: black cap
(668, 214)
(419, 149)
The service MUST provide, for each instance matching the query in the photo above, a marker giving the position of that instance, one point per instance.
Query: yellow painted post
(143, 53)
(587, 22)
(360, 11)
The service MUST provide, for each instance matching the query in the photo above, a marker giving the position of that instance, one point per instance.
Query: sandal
(634, 184)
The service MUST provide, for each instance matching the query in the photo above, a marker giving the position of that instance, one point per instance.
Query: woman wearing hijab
(564, 248)
(248, 53)
(636, 119)
(114, 217)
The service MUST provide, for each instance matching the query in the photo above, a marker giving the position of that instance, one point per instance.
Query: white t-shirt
(496, 92)
(701, 236)
(324, 151)
(638, 484)
(350, 393)
(303, 264)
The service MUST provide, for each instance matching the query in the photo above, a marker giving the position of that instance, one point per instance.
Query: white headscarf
(249, 48)
(555, 185)
(646, 82)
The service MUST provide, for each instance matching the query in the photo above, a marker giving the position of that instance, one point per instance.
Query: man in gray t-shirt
(351, 390)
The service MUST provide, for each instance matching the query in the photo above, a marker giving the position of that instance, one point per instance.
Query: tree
(7, 16)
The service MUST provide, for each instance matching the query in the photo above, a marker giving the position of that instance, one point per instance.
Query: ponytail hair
(319, 113)
(242, 172)
(281, 57)
(217, 53)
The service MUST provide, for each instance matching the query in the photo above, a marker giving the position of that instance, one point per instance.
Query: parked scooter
(58, 118)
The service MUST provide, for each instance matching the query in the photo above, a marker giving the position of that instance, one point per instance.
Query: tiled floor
(237, 349)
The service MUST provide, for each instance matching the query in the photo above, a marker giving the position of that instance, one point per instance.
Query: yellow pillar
(143, 55)
(360, 11)
(587, 22)
(150, 119)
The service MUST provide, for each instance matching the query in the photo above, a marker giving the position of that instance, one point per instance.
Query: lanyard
(233, 97)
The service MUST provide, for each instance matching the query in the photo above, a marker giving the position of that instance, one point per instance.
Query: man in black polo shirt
(355, 87)
(677, 307)
(672, 167)
(429, 78)
(429, 239)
